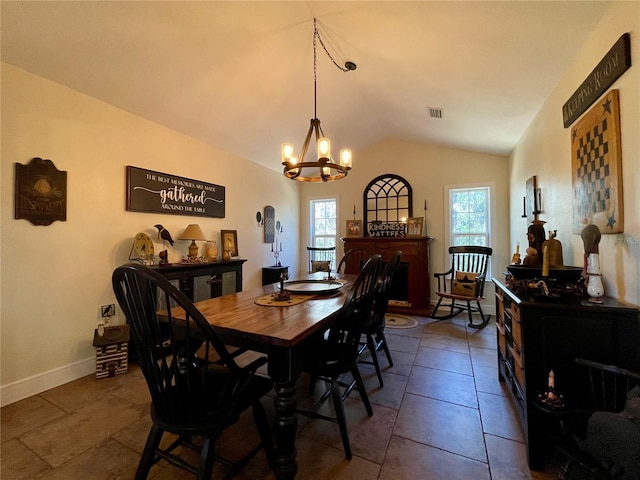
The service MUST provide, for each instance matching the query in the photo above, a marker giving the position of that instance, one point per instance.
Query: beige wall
(55, 278)
(544, 151)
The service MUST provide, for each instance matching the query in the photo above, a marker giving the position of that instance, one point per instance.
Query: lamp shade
(193, 232)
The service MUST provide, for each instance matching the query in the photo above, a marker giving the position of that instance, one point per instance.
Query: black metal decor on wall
(156, 192)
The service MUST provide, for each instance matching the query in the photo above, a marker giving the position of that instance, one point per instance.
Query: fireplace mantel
(415, 260)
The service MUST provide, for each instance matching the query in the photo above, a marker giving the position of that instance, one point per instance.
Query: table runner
(270, 301)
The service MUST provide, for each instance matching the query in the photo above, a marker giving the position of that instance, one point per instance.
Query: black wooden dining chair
(321, 258)
(466, 276)
(601, 429)
(336, 351)
(373, 329)
(190, 395)
(353, 260)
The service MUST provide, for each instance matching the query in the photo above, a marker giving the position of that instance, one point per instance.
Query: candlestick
(425, 204)
(524, 207)
(354, 211)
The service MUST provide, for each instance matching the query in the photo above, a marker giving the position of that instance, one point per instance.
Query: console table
(410, 289)
(199, 281)
(272, 274)
(536, 336)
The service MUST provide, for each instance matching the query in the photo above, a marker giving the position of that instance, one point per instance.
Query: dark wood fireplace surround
(415, 265)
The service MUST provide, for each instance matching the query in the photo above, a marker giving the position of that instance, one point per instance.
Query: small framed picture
(414, 226)
(354, 228)
(229, 240)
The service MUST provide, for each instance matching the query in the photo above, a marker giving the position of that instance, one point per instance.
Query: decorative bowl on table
(560, 273)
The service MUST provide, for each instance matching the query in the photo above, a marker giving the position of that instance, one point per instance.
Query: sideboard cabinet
(410, 289)
(199, 281)
(535, 337)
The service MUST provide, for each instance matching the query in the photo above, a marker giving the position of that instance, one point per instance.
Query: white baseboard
(42, 382)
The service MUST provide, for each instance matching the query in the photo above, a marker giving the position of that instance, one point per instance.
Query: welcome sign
(156, 192)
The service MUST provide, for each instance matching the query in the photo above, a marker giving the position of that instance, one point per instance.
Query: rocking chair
(466, 276)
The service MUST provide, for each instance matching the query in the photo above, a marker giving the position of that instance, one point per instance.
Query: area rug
(400, 321)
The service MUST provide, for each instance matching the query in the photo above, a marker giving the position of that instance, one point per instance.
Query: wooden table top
(237, 317)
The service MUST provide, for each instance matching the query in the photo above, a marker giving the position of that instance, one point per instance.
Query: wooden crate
(112, 351)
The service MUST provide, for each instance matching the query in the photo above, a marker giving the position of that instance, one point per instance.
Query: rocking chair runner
(466, 276)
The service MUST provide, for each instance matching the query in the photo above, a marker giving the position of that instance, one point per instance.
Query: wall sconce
(193, 232)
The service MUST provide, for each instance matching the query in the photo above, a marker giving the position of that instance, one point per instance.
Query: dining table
(281, 330)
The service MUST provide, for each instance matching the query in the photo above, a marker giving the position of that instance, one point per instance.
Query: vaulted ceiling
(239, 75)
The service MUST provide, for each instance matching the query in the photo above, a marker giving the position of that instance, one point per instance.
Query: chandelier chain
(316, 34)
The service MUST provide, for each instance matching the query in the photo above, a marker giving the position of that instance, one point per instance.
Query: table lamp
(193, 232)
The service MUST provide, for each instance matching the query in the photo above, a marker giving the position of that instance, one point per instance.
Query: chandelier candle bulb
(287, 152)
(345, 158)
(324, 149)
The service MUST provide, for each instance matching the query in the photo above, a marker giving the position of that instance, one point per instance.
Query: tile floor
(441, 414)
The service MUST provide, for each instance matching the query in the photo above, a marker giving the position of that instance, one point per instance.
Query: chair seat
(331, 360)
(455, 296)
(210, 418)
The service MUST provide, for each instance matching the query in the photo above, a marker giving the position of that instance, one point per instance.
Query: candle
(518, 248)
(552, 382)
(545, 261)
(425, 204)
(524, 206)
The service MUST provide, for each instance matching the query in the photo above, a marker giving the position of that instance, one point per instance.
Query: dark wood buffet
(199, 281)
(411, 290)
(537, 336)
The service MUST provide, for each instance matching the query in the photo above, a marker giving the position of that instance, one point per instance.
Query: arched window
(388, 203)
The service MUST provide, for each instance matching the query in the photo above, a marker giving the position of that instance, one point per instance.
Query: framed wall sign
(40, 192)
(156, 192)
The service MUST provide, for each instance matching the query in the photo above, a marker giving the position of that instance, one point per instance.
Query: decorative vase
(211, 251)
(595, 289)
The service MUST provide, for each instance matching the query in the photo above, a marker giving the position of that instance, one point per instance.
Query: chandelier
(324, 169)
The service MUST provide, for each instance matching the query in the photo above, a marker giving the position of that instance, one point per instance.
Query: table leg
(284, 369)
(286, 425)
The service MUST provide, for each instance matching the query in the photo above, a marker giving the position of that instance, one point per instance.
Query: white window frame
(491, 212)
(311, 232)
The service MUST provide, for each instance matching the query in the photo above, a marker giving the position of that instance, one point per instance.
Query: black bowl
(560, 273)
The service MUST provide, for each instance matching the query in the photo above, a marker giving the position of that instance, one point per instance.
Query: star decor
(607, 106)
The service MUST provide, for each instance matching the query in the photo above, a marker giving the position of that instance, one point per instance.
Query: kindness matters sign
(155, 192)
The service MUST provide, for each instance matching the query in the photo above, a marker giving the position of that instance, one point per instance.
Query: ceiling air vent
(435, 112)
